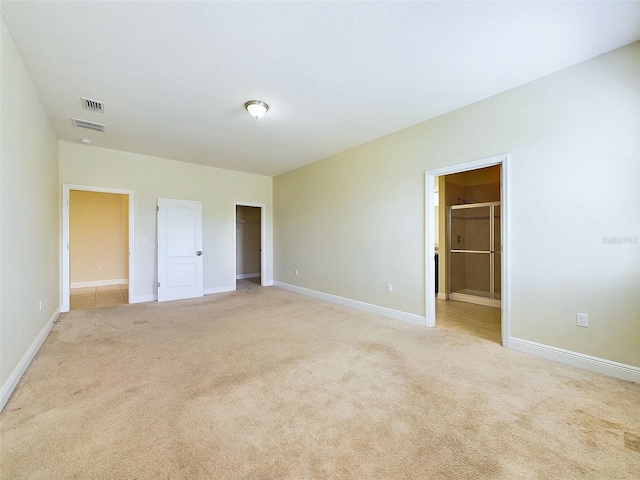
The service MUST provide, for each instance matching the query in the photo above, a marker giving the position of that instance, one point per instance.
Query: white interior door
(179, 249)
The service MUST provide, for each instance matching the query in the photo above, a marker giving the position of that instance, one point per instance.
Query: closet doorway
(249, 229)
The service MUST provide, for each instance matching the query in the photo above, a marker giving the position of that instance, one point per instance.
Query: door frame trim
(64, 250)
(505, 199)
(263, 237)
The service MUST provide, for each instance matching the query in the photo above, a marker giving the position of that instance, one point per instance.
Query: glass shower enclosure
(474, 253)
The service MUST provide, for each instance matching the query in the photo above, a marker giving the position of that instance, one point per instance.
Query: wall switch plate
(389, 288)
(582, 319)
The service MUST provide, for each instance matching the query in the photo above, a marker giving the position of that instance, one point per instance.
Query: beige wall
(152, 177)
(247, 240)
(29, 201)
(98, 237)
(355, 221)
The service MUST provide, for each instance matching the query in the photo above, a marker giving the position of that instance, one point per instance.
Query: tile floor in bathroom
(463, 317)
(96, 297)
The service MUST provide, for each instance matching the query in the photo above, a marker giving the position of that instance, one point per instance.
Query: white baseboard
(247, 275)
(100, 283)
(209, 291)
(267, 283)
(580, 360)
(442, 296)
(11, 383)
(367, 307)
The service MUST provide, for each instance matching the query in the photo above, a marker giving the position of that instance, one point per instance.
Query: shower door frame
(490, 301)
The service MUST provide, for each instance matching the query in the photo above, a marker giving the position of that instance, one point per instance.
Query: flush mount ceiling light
(256, 108)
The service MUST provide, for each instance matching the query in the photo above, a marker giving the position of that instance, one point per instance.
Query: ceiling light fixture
(256, 108)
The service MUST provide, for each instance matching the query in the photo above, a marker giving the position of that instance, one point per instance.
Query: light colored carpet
(264, 383)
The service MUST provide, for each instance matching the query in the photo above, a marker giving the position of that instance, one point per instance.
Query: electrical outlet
(100, 268)
(389, 288)
(296, 273)
(582, 319)
(40, 303)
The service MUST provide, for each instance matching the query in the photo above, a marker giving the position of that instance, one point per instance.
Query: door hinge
(157, 208)
(67, 246)
(158, 284)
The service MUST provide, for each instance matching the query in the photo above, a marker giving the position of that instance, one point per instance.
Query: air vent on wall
(98, 127)
(93, 105)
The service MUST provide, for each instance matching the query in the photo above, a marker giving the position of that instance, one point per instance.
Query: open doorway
(97, 260)
(466, 237)
(472, 224)
(249, 229)
(98, 249)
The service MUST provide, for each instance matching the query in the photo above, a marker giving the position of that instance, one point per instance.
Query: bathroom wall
(458, 271)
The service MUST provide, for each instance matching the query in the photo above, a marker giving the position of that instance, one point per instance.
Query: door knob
(198, 253)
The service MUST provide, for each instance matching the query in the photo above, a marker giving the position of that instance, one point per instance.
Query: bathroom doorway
(466, 231)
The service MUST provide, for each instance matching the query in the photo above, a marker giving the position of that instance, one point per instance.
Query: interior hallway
(97, 297)
(475, 320)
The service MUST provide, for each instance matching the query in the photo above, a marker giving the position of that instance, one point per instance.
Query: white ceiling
(174, 76)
